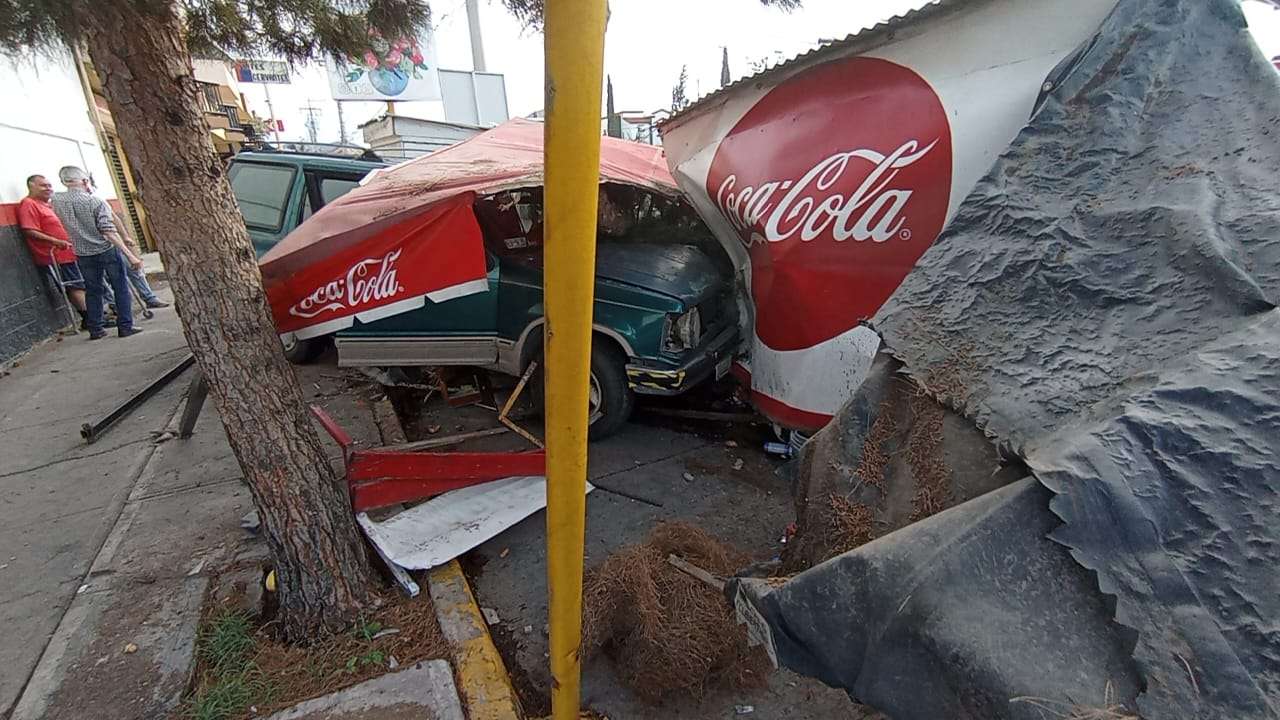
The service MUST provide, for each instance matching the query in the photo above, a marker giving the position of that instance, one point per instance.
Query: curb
(482, 678)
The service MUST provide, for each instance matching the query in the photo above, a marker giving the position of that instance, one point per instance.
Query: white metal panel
(459, 95)
(441, 529)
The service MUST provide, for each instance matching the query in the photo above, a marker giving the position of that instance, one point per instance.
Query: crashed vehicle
(1039, 243)
(277, 191)
(438, 262)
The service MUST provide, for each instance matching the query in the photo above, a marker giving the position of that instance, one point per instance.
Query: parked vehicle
(664, 317)
(278, 191)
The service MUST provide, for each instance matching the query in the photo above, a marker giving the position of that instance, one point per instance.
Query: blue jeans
(138, 279)
(99, 271)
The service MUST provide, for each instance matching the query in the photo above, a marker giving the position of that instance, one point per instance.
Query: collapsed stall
(410, 233)
(1102, 306)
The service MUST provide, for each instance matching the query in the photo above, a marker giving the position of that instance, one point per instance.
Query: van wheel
(609, 397)
(301, 352)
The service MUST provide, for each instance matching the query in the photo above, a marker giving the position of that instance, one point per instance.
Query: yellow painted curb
(483, 682)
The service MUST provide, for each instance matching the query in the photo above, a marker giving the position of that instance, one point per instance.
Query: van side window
(262, 191)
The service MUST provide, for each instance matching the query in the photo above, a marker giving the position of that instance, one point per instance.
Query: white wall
(44, 124)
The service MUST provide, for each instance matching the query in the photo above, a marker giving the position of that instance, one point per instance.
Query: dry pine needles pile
(667, 632)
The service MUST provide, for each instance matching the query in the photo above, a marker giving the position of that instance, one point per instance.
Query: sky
(645, 47)
(646, 44)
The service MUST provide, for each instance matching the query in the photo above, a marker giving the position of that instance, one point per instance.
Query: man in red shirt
(48, 240)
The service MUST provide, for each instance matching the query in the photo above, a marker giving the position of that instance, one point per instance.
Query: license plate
(722, 367)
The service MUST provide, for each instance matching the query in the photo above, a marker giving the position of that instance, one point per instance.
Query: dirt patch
(535, 698)
(400, 632)
(665, 631)
(829, 528)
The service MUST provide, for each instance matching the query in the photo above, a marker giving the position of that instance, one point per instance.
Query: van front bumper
(711, 359)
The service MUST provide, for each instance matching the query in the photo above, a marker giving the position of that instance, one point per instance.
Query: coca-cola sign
(837, 181)
(365, 282)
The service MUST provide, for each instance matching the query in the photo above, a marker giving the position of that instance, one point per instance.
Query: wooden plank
(443, 440)
(696, 572)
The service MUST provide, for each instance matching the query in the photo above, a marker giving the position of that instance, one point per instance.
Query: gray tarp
(1102, 304)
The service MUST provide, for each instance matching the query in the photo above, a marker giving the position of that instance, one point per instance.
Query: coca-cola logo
(365, 282)
(837, 181)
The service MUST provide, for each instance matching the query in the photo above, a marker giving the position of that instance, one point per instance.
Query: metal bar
(331, 426)
(375, 465)
(196, 394)
(374, 494)
(574, 48)
(91, 433)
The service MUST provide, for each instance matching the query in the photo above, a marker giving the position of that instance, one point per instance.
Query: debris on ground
(886, 461)
(242, 663)
(666, 631)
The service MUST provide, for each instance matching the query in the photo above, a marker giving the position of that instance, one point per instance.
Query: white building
(45, 124)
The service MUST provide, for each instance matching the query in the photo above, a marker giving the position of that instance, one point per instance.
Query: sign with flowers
(400, 69)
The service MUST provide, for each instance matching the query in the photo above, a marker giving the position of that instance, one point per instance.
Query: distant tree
(141, 52)
(724, 66)
(679, 100)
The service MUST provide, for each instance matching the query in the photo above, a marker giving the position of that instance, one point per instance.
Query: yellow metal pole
(574, 37)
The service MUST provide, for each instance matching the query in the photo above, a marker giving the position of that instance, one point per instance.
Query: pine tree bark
(321, 566)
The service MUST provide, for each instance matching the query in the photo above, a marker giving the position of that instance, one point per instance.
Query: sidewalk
(107, 550)
(60, 497)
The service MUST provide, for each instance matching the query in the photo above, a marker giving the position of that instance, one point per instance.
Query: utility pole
(477, 43)
(342, 125)
(275, 123)
(313, 124)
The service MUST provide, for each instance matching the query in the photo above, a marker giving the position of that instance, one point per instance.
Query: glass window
(262, 192)
(332, 188)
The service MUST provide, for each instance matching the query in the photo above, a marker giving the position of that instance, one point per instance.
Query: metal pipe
(92, 432)
(574, 48)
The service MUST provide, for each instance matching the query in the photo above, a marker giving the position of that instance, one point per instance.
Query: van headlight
(684, 332)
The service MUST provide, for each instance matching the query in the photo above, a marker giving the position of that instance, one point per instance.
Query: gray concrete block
(424, 691)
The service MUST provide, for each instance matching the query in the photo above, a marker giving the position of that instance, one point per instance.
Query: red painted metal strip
(373, 494)
(331, 426)
(367, 465)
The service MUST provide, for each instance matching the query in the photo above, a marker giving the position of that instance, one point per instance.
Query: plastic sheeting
(1103, 305)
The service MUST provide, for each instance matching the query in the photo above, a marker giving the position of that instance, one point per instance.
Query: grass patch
(231, 682)
(244, 671)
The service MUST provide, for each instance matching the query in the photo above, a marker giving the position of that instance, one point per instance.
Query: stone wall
(30, 308)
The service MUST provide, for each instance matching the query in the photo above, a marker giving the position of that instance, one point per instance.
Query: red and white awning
(410, 234)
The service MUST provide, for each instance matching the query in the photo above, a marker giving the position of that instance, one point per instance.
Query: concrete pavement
(107, 551)
(59, 498)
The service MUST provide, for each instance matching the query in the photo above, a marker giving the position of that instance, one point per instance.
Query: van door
(461, 331)
(265, 193)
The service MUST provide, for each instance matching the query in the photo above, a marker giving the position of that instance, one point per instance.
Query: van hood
(681, 271)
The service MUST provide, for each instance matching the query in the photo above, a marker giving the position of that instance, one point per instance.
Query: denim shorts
(70, 274)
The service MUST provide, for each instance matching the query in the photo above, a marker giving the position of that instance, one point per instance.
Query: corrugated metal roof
(867, 37)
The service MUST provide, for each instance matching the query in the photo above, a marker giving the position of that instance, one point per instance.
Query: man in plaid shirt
(100, 252)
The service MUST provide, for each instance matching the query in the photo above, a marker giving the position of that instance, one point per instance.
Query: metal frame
(379, 478)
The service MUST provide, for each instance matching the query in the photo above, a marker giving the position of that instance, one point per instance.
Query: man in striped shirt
(100, 252)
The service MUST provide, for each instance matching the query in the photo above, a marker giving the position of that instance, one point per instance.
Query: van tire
(609, 375)
(301, 352)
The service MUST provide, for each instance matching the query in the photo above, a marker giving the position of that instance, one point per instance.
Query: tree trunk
(321, 566)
